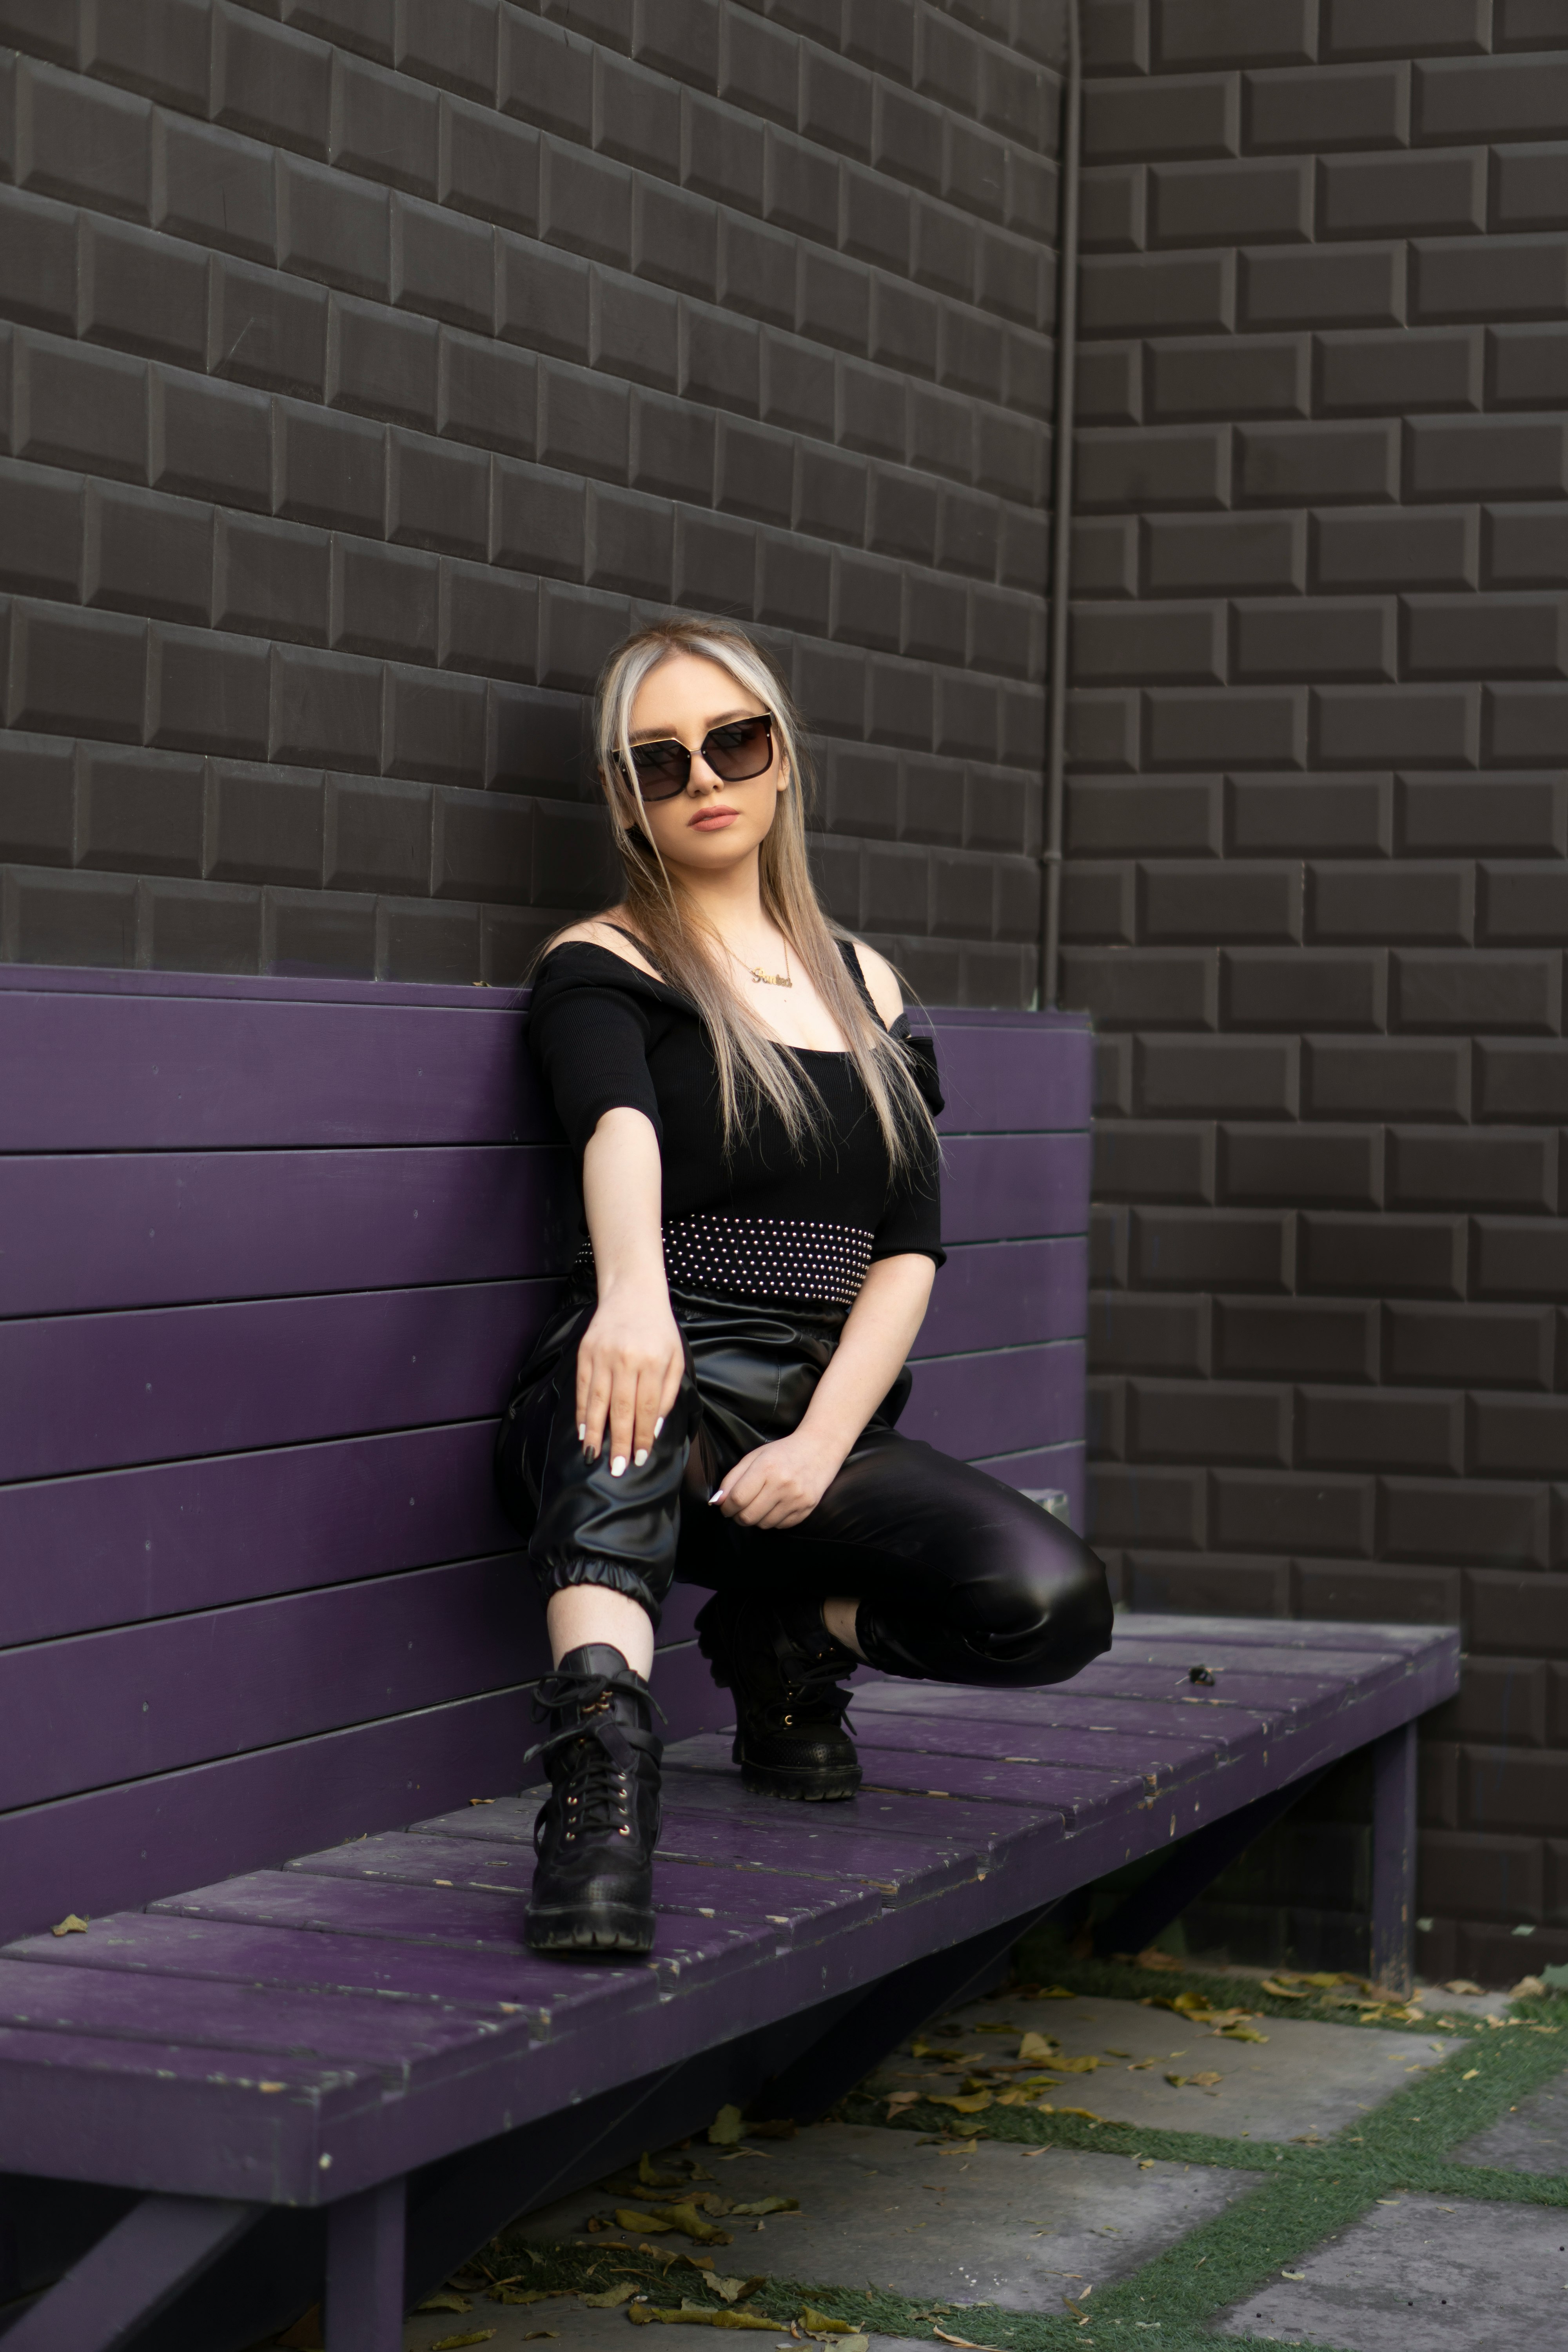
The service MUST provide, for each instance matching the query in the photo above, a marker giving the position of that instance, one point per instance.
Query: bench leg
(132, 2275)
(1394, 1858)
(364, 2270)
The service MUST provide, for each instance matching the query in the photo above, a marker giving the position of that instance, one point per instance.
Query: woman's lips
(713, 820)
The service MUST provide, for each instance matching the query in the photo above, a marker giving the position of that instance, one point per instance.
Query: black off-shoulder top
(768, 1222)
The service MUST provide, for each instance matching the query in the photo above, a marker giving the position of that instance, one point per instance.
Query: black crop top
(770, 1223)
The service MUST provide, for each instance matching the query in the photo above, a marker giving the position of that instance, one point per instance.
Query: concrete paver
(1422, 2276)
(1305, 2081)
(1532, 2138)
(576, 2330)
(982, 2223)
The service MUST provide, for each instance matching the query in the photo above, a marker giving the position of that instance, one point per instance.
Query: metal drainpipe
(1061, 534)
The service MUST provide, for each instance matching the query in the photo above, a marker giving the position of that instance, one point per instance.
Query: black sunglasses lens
(740, 751)
(662, 768)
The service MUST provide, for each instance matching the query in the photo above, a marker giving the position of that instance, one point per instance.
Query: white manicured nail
(640, 1457)
(659, 1424)
(582, 1431)
(717, 1496)
(617, 1466)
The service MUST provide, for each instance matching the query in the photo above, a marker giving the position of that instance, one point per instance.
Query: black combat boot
(593, 1882)
(784, 1667)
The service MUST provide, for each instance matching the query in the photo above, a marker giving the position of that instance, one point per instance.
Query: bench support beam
(133, 2273)
(1193, 1864)
(364, 2269)
(1394, 1858)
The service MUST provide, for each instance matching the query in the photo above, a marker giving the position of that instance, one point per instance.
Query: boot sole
(769, 1783)
(629, 1931)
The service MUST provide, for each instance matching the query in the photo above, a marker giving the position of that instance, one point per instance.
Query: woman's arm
(629, 1362)
(780, 1485)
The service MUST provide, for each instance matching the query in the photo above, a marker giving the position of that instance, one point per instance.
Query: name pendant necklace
(767, 979)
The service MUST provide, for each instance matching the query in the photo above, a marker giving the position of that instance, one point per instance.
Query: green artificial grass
(1303, 2195)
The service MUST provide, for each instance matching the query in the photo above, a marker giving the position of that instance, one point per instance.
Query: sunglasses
(737, 751)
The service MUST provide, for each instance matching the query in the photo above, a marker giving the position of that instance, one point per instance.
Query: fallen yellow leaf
(727, 2127)
(974, 2105)
(1036, 2050)
(71, 1925)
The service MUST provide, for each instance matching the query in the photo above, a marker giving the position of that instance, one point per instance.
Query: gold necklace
(768, 979)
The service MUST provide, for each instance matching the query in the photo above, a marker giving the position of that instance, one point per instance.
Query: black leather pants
(959, 1579)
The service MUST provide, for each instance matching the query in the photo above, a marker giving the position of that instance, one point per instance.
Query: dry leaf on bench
(71, 1925)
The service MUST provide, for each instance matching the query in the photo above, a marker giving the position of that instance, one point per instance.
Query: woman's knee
(1045, 1604)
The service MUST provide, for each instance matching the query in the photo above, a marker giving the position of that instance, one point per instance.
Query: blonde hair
(752, 1067)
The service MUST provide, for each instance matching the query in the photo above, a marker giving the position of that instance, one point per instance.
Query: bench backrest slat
(269, 1254)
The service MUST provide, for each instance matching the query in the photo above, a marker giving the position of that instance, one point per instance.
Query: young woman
(715, 1399)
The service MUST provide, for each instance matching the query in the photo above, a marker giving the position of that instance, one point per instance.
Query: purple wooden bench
(269, 1251)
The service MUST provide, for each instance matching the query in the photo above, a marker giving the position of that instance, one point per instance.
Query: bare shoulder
(881, 979)
(600, 931)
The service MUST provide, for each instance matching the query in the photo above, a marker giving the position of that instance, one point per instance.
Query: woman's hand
(629, 1364)
(780, 1485)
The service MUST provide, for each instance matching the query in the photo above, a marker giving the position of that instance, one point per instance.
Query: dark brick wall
(1319, 891)
(371, 364)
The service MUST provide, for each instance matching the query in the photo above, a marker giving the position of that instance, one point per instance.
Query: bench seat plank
(1012, 1187)
(340, 2031)
(691, 1884)
(1006, 1294)
(998, 1403)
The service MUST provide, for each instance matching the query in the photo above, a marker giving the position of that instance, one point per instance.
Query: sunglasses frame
(764, 719)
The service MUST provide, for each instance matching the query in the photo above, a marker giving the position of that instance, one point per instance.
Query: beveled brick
(1487, 457)
(1519, 1257)
(1379, 1429)
(1191, 114)
(584, 422)
(333, 227)
(1405, 901)
(1240, 726)
(317, 933)
(433, 727)
(1168, 817)
(138, 293)
(1157, 1160)
(83, 142)
(1137, 644)
(1191, 553)
(1302, 1166)
(200, 926)
(1130, 294)
(1522, 813)
(1138, 1504)
(76, 919)
(139, 811)
(1381, 1077)
(1112, 201)
(1529, 186)
(77, 673)
(1253, 375)
(206, 692)
(265, 823)
(1519, 1435)
(1413, 726)
(1259, 1510)
(326, 708)
(383, 600)
(1501, 1700)
(1350, 106)
(1490, 278)
(1226, 202)
(75, 406)
(1348, 816)
(542, 298)
(1481, 1346)
(212, 188)
(489, 166)
(37, 261)
(1386, 1255)
(1144, 990)
(41, 512)
(1503, 98)
(381, 365)
(328, 469)
(1142, 1334)
(384, 125)
(1492, 1168)
(1268, 988)
(1527, 366)
(161, 50)
(37, 816)
(1178, 465)
(1209, 1420)
(1105, 557)
(1523, 723)
(442, 266)
(1338, 462)
(1439, 548)
(1523, 1078)
(1300, 637)
(1103, 729)
(377, 837)
(267, 329)
(1363, 195)
(1508, 1610)
(146, 553)
(1187, 1248)
(1515, 993)
(1192, 1077)
(1407, 368)
(1108, 383)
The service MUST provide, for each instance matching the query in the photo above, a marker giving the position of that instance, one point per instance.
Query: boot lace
(600, 1755)
(811, 1695)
